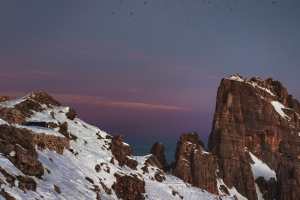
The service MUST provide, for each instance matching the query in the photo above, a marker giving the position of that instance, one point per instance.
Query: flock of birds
(192, 3)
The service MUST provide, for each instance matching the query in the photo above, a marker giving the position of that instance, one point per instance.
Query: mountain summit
(254, 146)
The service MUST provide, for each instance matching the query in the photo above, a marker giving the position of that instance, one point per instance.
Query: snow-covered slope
(87, 169)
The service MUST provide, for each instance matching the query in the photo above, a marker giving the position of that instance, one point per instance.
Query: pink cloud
(101, 101)
(145, 106)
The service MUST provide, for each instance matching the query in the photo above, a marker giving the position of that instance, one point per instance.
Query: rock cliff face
(193, 164)
(264, 118)
(254, 121)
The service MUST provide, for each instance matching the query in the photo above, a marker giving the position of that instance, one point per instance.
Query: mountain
(46, 152)
(254, 146)
(67, 158)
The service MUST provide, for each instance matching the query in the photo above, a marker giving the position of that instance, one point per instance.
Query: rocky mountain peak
(44, 98)
(264, 118)
(254, 143)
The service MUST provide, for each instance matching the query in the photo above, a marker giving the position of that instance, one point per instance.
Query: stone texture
(19, 141)
(158, 150)
(54, 143)
(129, 187)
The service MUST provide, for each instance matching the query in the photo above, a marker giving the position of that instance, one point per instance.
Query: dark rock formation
(193, 164)
(63, 129)
(54, 143)
(158, 150)
(15, 144)
(129, 187)
(57, 189)
(122, 152)
(25, 182)
(159, 176)
(71, 114)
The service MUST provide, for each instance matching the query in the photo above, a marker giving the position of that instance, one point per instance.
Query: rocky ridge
(72, 159)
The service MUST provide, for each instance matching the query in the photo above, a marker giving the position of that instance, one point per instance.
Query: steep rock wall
(263, 117)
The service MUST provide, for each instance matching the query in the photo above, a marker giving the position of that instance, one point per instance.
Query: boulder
(129, 187)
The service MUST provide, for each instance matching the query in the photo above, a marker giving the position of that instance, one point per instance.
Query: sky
(150, 69)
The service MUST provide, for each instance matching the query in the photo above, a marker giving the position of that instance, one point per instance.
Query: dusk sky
(146, 69)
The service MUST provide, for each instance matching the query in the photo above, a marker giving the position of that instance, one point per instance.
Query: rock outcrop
(53, 143)
(193, 164)
(15, 144)
(129, 187)
(71, 114)
(158, 150)
(122, 152)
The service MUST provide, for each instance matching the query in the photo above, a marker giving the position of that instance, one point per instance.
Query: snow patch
(236, 78)
(278, 107)
(12, 153)
(205, 152)
(254, 84)
(3, 122)
(259, 168)
(232, 191)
